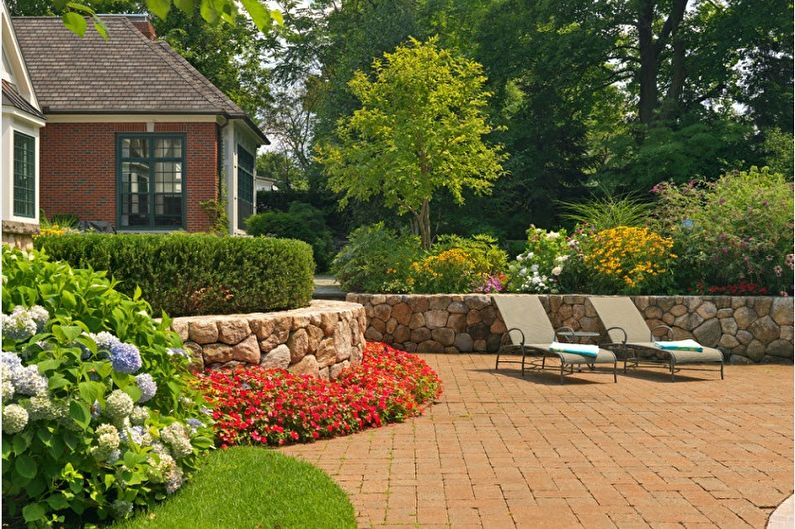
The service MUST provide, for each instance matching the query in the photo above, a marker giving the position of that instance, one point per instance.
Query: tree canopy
(420, 129)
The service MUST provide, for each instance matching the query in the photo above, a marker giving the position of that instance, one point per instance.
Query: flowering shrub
(539, 267)
(735, 230)
(95, 397)
(448, 271)
(253, 405)
(455, 264)
(627, 260)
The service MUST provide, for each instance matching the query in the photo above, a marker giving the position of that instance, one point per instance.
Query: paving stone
(502, 451)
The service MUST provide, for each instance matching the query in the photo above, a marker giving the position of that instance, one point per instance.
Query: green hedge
(197, 274)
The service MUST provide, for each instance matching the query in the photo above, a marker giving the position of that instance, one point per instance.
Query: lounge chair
(531, 334)
(632, 338)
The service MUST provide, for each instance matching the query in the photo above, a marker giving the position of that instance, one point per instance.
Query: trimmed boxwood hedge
(186, 275)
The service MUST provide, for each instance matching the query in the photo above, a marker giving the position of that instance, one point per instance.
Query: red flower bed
(253, 405)
(743, 288)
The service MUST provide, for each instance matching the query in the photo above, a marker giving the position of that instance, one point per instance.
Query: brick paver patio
(500, 452)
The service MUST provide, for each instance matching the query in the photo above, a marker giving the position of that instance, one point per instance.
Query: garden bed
(746, 329)
(255, 405)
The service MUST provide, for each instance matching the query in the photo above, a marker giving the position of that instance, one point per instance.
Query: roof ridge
(191, 70)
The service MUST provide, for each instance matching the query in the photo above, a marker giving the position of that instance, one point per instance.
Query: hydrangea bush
(539, 267)
(98, 411)
(253, 405)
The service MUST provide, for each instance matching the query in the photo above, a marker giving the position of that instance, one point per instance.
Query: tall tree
(420, 129)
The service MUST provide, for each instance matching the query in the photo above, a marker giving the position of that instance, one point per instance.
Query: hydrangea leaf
(25, 466)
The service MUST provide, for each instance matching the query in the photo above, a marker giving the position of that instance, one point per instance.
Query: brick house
(135, 136)
(22, 120)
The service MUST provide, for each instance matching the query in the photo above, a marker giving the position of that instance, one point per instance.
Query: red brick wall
(78, 168)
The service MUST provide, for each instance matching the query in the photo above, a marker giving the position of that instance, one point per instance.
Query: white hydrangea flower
(107, 441)
(15, 418)
(118, 405)
(557, 270)
(139, 415)
(178, 439)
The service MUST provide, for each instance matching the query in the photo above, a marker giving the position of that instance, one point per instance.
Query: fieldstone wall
(746, 329)
(320, 340)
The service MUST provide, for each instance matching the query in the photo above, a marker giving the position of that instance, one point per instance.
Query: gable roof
(12, 97)
(128, 73)
(20, 87)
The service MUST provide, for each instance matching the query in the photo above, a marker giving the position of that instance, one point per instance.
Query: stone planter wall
(319, 340)
(746, 329)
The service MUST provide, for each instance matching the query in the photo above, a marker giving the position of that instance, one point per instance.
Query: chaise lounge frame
(525, 318)
(630, 335)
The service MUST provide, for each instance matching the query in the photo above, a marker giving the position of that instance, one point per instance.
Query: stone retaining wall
(319, 340)
(746, 329)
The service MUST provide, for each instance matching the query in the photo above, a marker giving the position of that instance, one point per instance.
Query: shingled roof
(128, 73)
(11, 96)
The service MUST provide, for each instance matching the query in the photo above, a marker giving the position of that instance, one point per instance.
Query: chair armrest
(563, 329)
(669, 332)
(624, 341)
(508, 334)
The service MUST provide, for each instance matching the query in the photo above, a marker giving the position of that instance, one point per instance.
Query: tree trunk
(647, 77)
(678, 75)
(423, 222)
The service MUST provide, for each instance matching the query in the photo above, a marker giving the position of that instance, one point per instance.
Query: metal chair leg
(497, 363)
(672, 370)
(721, 370)
(562, 366)
(615, 372)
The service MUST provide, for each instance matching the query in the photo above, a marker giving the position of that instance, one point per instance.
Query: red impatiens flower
(253, 405)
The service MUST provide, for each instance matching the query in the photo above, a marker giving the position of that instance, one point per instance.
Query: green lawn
(252, 488)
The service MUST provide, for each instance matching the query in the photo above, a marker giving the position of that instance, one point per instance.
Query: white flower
(534, 268)
(553, 235)
(118, 405)
(557, 270)
(15, 418)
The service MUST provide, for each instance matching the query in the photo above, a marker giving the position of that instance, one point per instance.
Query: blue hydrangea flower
(147, 386)
(125, 358)
(10, 360)
(194, 424)
(104, 340)
(40, 316)
(28, 381)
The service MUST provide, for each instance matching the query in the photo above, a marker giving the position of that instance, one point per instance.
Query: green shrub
(197, 274)
(80, 360)
(376, 259)
(302, 222)
(737, 229)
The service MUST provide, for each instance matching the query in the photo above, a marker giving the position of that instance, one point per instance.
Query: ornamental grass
(254, 405)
